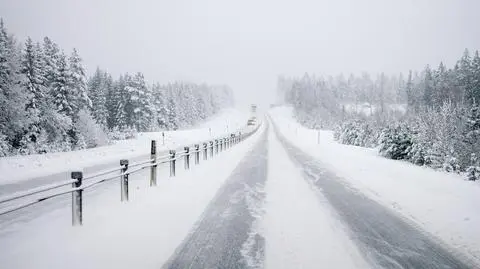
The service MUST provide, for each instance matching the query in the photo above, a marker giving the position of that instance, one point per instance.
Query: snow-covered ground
(142, 233)
(443, 204)
(19, 168)
(301, 230)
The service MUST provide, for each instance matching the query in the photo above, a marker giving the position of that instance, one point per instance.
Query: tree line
(48, 104)
(429, 118)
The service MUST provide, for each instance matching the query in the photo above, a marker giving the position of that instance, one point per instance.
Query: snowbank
(19, 168)
(444, 204)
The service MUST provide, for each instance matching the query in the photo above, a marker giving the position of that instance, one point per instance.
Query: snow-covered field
(443, 204)
(19, 168)
(142, 233)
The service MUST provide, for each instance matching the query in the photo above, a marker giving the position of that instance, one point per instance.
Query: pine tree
(442, 86)
(60, 90)
(428, 91)
(172, 123)
(475, 89)
(98, 91)
(464, 76)
(400, 96)
(409, 90)
(118, 112)
(51, 55)
(32, 69)
(13, 96)
(77, 84)
(472, 142)
(160, 104)
(139, 110)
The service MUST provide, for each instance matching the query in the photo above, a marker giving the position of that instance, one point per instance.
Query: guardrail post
(187, 158)
(211, 149)
(172, 163)
(197, 154)
(124, 180)
(216, 146)
(77, 198)
(153, 168)
(205, 149)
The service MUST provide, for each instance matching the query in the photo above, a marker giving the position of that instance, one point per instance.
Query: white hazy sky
(247, 43)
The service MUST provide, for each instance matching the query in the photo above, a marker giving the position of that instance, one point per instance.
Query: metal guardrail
(79, 182)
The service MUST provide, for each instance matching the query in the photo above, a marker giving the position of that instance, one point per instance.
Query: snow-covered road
(385, 239)
(226, 235)
(303, 217)
(265, 204)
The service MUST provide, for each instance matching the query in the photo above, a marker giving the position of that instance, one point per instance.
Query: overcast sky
(247, 43)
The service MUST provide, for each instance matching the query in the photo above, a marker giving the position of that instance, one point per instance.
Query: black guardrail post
(172, 163)
(187, 158)
(205, 151)
(77, 198)
(211, 149)
(197, 154)
(153, 168)
(124, 180)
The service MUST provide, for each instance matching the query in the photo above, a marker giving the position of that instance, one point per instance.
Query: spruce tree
(32, 69)
(63, 96)
(428, 88)
(98, 90)
(13, 96)
(475, 88)
(77, 84)
(464, 76)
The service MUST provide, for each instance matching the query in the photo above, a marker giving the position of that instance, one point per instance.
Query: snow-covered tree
(13, 98)
(32, 68)
(471, 143)
(77, 83)
(160, 104)
(475, 88)
(90, 134)
(98, 87)
(64, 97)
(139, 110)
